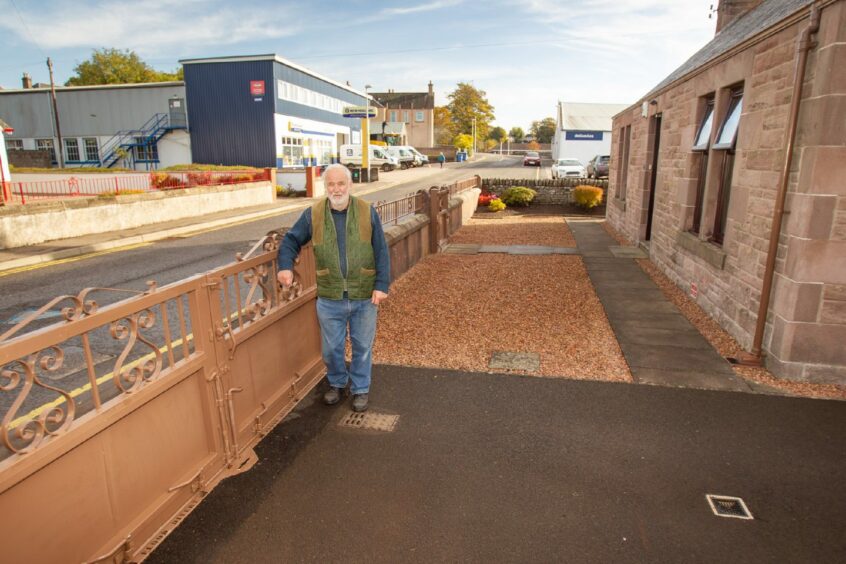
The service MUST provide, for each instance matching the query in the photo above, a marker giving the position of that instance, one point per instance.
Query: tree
(113, 66)
(463, 141)
(517, 134)
(490, 143)
(533, 146)
(543, 130)
(498, 134)
(443, 126)
(466, 103)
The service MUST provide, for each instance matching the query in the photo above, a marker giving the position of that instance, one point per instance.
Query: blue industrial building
(266, 111)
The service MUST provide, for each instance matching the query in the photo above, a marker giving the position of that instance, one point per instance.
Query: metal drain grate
(727, 506)
(370, 420)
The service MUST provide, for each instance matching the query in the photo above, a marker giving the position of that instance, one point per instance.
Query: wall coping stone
(44, 206)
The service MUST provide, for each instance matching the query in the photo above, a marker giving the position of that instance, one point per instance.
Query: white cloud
(150, 28)
(425, 7)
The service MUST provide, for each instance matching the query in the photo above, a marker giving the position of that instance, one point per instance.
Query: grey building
(142, 126)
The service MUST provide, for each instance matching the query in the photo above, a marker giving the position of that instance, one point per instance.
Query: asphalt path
(166, 262)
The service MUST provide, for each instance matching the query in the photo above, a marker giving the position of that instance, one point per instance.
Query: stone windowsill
(618, 203)
(709, 252)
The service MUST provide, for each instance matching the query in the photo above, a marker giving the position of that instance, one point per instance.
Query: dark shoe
(359, 403)
(332, 396)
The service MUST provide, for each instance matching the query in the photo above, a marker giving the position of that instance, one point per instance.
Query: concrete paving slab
(668, 357)
(461, 249)
(690, 379)
(631, 309)
(627, 252)
(660, 336)
(492, 468)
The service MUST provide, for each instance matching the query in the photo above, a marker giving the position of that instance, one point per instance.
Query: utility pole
(60, 153)
(474, 136)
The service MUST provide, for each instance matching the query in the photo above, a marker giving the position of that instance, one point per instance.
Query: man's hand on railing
(285, 277)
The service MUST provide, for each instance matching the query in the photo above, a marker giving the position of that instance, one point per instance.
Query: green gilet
(361, 264)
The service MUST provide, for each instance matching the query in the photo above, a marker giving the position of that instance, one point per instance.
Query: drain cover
(727, 506)
(505, 360)
(370, 420)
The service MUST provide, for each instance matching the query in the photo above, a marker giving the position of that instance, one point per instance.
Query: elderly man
(353, 276)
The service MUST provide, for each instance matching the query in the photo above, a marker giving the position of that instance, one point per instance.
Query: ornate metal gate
(118, 420)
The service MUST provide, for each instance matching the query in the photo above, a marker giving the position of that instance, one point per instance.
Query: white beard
(339, 202)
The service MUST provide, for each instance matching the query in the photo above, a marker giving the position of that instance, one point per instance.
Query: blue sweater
(300, 234)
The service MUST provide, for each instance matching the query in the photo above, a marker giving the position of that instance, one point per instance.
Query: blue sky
(526, 54)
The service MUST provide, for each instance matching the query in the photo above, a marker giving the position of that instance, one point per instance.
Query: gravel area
(727, 346)
(454, 311)
(486, 228)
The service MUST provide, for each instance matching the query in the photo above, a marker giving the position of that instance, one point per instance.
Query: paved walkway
(498, 468)
(659, 343)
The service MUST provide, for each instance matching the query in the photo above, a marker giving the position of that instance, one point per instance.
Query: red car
(531, 159)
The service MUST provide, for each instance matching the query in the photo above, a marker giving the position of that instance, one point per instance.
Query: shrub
(487, 198)
(496, 205)
(204, 167)
(121, 192)
(518, 196)
(163, 181)
(199, 178)
(587, 197)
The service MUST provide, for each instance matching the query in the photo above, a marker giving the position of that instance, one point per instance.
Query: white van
(351, 157)
(421, 158)
(405, 157)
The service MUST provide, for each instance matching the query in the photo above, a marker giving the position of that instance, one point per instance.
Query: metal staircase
(124, 143)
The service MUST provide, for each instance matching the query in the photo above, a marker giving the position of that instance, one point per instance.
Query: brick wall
(806, 325)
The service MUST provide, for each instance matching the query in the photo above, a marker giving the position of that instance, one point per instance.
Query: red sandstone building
(700, 166)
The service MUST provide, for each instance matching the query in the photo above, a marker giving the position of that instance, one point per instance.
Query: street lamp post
(474, 136)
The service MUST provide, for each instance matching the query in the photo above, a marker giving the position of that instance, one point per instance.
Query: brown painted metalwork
(124, 416)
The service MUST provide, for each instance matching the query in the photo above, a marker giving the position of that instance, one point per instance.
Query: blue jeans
(334, 317)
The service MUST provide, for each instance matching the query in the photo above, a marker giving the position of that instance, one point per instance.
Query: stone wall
(549, 192)
(806, 325)
(30, 159)
(42, 221)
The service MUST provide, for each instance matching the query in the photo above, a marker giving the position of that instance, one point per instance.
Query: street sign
(359, 112)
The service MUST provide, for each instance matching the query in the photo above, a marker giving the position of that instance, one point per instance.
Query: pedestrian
(441, 159)
(353, 276)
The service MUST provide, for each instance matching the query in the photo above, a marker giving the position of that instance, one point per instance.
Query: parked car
(597, 167)
(351, 157)
(532, 159)
(563, 168)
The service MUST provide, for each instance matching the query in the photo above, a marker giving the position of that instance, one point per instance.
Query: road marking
(82, 389)
(71, 259)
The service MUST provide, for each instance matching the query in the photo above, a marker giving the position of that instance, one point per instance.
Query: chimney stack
(730, 10)
(431, 89)
(26, 81)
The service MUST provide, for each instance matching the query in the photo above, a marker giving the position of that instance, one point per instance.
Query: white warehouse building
(583, 131)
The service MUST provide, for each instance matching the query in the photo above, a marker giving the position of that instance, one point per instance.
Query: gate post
(434, 218)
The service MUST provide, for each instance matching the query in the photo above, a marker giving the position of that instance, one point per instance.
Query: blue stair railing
(124, 142)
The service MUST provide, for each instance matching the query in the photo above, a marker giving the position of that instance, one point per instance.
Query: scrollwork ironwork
(268, 243)
(257, 277)
(28, 434)
(146, 368)
(80, 307)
